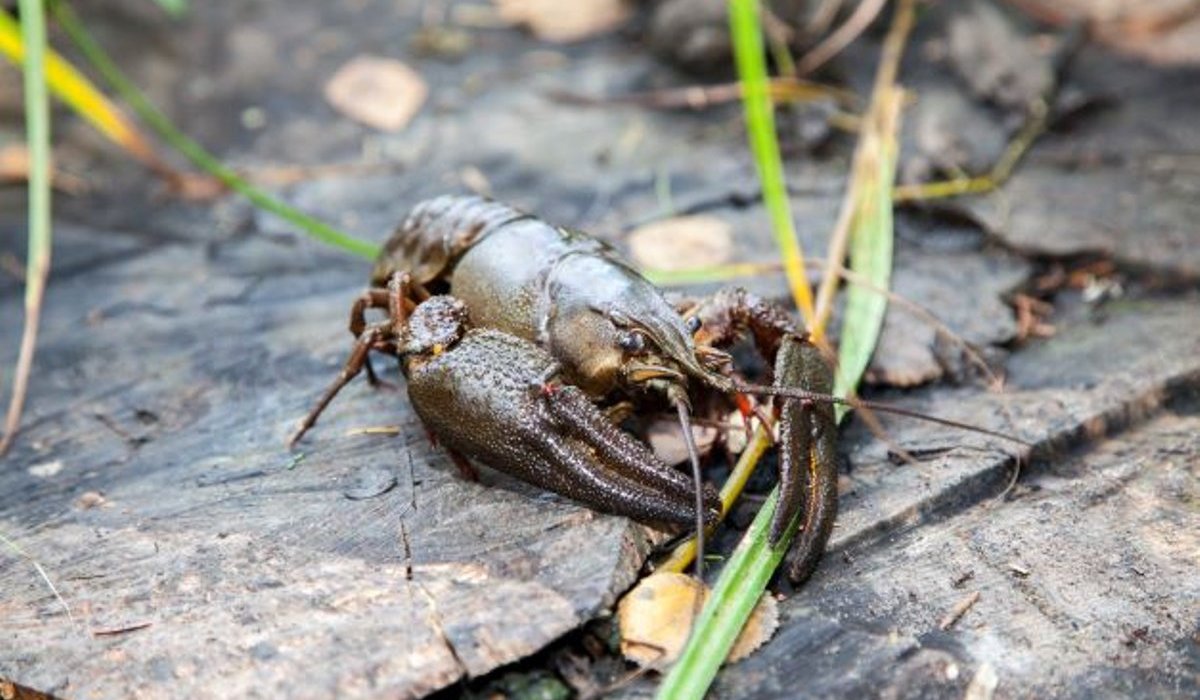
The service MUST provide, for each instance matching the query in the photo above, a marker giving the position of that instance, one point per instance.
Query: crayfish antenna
(685, 422)
(797, 393)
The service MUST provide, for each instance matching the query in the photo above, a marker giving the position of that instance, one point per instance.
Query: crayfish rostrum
(521, 341)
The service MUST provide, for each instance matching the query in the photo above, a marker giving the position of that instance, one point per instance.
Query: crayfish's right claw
(488, 397)
(807, 457)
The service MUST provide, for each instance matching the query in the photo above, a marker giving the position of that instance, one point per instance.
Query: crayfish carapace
(548, 331)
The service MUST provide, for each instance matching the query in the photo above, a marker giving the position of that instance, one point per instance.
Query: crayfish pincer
(500, 399)
(549, 332)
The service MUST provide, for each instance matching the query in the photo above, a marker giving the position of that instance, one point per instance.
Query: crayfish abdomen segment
(436, 233)
(496, 398)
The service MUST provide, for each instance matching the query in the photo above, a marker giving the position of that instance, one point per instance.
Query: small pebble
(45, 470)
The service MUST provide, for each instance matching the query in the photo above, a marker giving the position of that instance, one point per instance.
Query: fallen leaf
(666, 440)
(682, 243)
(758, 630)
(382, 93)
(564, 22)
(1166, 32)
(655, 619)
(736, 440)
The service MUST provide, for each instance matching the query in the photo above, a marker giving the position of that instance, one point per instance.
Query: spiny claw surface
(493, 397)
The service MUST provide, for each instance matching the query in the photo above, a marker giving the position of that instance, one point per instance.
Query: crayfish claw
(477, 398)
(807, 457)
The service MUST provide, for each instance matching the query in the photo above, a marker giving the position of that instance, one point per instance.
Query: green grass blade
(710, 274)
(175, 8)
(750, 567)
(871, 243)
(753, 562)
(195, 152)
(37, 136)
(746, 27)
(737, 591)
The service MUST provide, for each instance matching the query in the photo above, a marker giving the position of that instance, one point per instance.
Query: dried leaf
(736, 440)
(682, 243)
(656, 617)
(1166, 32)
(382, 93)
(564, 22)
(665, 437)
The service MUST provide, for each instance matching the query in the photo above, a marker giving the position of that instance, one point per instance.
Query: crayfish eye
(632, 342)
(692, 323)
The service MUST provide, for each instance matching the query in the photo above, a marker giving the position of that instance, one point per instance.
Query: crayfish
(522, 341)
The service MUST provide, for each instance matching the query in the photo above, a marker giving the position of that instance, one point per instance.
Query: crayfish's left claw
(807, 457)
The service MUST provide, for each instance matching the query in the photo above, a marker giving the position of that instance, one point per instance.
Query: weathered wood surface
(1085, 577)
(367, 557)
(181, 343)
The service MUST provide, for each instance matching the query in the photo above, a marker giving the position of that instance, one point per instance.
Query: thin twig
(1037, 119)
(822, 18)
(779, 37)
(855, 24)
(123, 629)
(1034, 126)
(698, 97)
(885, 79)
(960, 608)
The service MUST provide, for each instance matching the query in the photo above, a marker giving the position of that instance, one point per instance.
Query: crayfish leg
(373, 338)
(396, 299)
(732, 313)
